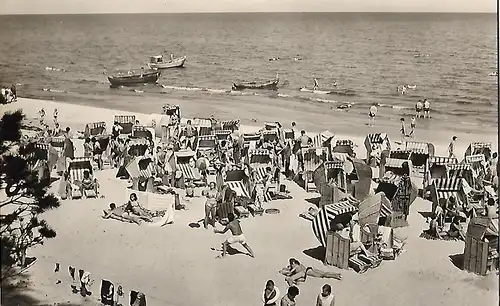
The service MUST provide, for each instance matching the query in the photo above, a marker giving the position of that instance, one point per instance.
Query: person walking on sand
(413, 125)
(56, 114)
(289, 298)
(271, 294)
(402, 130)
(372, 114)
(418, 109)
(294, 130)
(451, 147)
(427, 109)
(326, 297)
(237, 236)
(41, 113)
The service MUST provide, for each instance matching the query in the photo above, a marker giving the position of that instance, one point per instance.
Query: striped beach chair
(141, 167)
(476, 148)
(206, 143)
(232, 125)
(323, 139)
(477, 163)
(238, 180)
(57, 142)
(322, 221)
(460, 171)
(222, 134)
(76, 169)
(394, 165)
(260, 160)
(190, 173)
(377, 141)
(435, 167)
(95, 129)
(126, 122)
(202, 125)
(420, 152)
(344, 146)
(271, 126)
(137, 146)
(169, 109)
(313, 158)
(271, 135)
(334, 170)
(142, 131)
(250, 140)
(444, 188)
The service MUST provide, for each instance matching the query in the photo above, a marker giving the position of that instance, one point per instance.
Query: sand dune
(173, 265)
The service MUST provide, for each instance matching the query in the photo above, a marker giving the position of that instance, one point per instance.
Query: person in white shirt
(427, 108)
(372, 114)
(326, 298)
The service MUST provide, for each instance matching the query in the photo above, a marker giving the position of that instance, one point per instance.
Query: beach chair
(313, 158)
(169, 110)
(142, 131)
(344, 146)
(237, 178)
(420, 152)
(444, 188)
(324, 139)
(376, 142)
(76, 169)
(435, 167)
(371, 212)
(251, 140)
(477, 148)
(189, 173)
(141, 171)
(206, 144)
(328, 214)
(231, 125)
(460, 171)
(57, 143)
(203, 125)
(95, 129)
(222, 134)
(260, 160)
(396, 166)
(137, 147)
(401, 191)
(477, 163)
(126, 122)
(271, 135)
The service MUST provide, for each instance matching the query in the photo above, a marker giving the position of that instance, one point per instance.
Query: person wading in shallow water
(237, 237)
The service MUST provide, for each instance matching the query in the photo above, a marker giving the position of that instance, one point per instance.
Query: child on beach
(372, 114)
(271, 294)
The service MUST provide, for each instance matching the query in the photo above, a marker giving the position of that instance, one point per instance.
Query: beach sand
(175, 266)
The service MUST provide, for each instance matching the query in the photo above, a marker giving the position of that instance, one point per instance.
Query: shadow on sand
(457, 260)
(317, 253)
(314, 201)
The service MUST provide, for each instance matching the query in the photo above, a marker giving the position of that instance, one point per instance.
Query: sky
(198, 6)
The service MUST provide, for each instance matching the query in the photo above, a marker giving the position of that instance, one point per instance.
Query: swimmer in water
(316, 85)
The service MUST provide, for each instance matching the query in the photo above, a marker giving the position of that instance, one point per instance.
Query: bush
(27, 196)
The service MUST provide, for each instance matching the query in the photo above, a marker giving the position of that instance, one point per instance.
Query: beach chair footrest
(254, 210)
(373, 260)
(242, 212)
(90, 193)
(358, 265)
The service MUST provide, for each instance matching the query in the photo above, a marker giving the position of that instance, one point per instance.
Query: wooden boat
(270, 85)
(134, 78)
(158, 62)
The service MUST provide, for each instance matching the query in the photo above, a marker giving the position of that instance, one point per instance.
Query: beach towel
(137, 298)
(107, 293)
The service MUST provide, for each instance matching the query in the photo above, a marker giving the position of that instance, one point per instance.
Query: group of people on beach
(9, 94)
(271, 296)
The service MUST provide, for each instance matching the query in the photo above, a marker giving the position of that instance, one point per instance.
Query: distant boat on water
(269, 85)
(132, 78)
(158, 62)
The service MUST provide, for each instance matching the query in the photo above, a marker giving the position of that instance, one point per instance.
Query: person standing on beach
(14, 92)
(271, 294)
(413, 125)
(41, 113)
(427, 108)
(237, 236)
(294, 129)
(68, 149)
(418, 109)
(289, 298)
(56, 114)
(115, 130)
(451, 147)
(372, 114)
(326, 298)
(190, 135)
(403, 130)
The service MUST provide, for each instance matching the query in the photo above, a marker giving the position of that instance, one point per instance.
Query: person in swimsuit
(418, 109)
(451, 147)
(235, 227)
(326, 298)
(413, 125)
(456, 230)
(316, 85)
(296, 272)
(372, 114)
(271, 294)
(121, 214)
(134, 207)
(427, 109)
(210, 205)
(402, 130)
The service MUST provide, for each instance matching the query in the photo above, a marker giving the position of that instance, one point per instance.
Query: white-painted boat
(159, 62)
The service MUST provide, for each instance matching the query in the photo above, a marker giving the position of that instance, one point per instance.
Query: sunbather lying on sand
(136, 208)
(121, 214)
(296, 272)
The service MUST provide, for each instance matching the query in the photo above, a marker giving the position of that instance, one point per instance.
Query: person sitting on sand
(88, 183)
(289, 298)
(433, 230)
(456, 230)
(120, 213)
(295, 272)
(355, 247)
(271, 294)
(237, 235)
(134, 207)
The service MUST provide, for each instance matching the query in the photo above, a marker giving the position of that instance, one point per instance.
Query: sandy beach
(174, 265)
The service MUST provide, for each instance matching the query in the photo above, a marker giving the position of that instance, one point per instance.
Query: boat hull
(176, 63)
(136, 79)
(271, 85)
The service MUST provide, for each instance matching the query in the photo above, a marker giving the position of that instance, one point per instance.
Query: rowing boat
(131, 79)
(270, 85)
